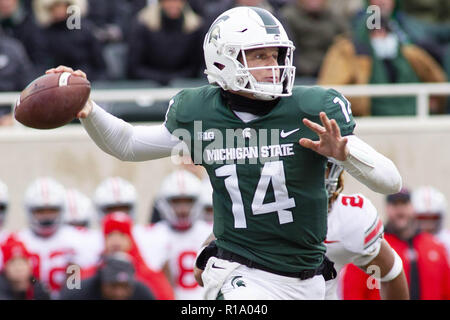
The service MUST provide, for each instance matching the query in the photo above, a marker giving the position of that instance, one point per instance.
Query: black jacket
(90, 290)
(16, 70)
(22, 26)
(77, 48)
(166, 53)
(36, 292)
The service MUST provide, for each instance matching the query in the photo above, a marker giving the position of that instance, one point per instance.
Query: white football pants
(232, 281)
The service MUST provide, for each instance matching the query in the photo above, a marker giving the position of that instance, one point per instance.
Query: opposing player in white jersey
(178, 202)
(117, 194)
(355, 235)
(53, 246)
(79, 212)
(430, 207)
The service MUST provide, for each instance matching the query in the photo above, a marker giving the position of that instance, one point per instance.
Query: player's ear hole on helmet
(219, 65)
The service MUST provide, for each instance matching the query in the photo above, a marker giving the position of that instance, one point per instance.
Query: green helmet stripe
(269, 23)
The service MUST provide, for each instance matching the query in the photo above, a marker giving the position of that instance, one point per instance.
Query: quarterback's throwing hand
(331, 143)
(88, 107)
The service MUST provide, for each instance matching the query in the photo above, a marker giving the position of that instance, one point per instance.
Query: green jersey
(269, 197)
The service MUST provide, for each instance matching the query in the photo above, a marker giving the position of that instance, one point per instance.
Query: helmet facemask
(167, 210)
(283, 75)
(333, 181)
(45, 227)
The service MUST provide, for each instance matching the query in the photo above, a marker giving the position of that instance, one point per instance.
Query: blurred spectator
(346, 8)
(138, 5)
(19, 23)
(114, 280)
(313, 27)
(70, 37)
(434, 11)
(118, 237)
(178, 202)
(380, 56)
(432, 37)
(166, 42)
(424, 258)
(110, 17)
(214, 9)
(16, 71)
(16, 279)
(430, 207)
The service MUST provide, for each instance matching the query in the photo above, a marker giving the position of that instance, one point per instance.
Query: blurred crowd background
(158, 44)
(150, 43)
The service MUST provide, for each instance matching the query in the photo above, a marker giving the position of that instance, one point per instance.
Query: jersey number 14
(271, 172)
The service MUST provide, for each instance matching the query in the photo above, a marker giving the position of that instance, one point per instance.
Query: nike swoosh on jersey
(286, 134)
(216, 267)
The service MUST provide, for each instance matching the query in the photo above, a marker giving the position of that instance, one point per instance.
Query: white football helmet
(179, 184)
(429, 201)
(332, 180)
(44, 193)
(115, 192)
(246, 28)
(4, 202)
(78, 209)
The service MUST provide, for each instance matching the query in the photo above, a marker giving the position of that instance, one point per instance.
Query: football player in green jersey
(264, 144)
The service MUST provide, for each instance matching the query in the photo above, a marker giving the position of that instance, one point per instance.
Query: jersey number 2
(271, 172)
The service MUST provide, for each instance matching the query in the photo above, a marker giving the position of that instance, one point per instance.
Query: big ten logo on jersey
(51, 268)
(185, 264)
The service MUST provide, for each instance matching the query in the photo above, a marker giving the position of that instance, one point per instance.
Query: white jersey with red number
(52, 255)
(91, 244)
(153, 243)
(181, 255)
(354, 235)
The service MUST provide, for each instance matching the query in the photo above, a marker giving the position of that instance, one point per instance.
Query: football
(52, 100)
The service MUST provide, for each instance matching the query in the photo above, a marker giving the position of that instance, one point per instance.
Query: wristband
(395, 270)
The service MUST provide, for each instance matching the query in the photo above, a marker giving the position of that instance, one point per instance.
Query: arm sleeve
(364, 163)
(127, 142)
(371, 168)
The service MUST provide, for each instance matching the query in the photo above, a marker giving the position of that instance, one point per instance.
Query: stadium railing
(150, 104)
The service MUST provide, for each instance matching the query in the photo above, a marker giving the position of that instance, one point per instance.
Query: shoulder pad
(360, 224)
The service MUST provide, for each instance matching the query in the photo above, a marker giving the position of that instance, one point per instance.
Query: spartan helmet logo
(215, 34)
(246, 133)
